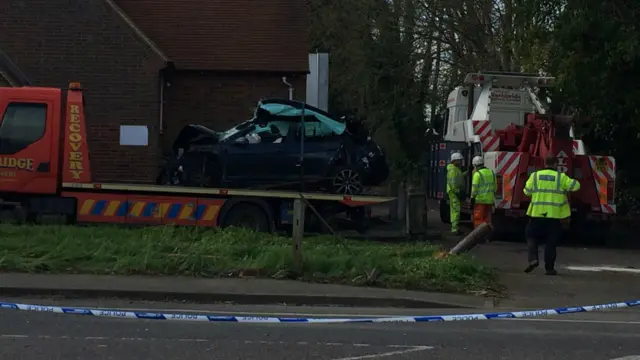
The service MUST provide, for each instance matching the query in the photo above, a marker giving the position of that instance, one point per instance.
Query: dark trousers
(543, 230)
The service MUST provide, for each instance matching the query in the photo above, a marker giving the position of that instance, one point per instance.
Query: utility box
(318, 81)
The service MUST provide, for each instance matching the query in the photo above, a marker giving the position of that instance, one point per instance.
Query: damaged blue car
(338, 154)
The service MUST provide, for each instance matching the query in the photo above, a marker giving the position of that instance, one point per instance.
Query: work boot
(532, 265)
(550, 272)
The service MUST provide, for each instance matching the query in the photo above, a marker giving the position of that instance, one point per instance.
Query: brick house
(157, 63)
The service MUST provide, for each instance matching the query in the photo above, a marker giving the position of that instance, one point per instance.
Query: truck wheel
(248, 216)
(445, 212)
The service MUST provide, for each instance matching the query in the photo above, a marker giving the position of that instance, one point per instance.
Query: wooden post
(408, 213)
(402, 201)
(393, 205)
(298, 232)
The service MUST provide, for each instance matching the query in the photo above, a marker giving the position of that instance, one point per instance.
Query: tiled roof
(255, 35)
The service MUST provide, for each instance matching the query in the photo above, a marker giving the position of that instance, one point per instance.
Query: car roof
(297, 105)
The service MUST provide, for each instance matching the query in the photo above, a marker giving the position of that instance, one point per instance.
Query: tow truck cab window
(22, 125)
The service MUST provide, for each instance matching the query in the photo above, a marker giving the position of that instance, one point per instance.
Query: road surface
(35, 336)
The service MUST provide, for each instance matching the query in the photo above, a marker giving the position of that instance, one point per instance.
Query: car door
(262, 162)
(319, 151)
(320, 147)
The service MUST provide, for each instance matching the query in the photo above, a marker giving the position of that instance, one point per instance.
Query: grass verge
(231, 253)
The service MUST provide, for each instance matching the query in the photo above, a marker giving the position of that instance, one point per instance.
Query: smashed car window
(228, 133)
(325, 125)
(272, 132)
(280, 127)
(317, 129)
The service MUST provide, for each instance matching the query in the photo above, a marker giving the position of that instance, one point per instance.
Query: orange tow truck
(45, 169)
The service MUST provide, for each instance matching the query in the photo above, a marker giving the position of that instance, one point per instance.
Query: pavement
(208, 290)
(571, 286)
(38, 335)
(581, 280)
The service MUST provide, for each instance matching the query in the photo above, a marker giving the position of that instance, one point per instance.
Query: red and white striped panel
(607, 173)
(482, 128)
(507, 167)
(578, 147)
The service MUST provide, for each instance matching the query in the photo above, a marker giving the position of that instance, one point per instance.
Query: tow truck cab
(30, 140)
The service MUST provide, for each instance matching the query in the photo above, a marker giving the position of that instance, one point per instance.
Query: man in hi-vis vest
(548, 189)
(455, 184)
(483, 190)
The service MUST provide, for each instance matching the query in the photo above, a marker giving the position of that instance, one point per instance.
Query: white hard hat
(456, 156)
(477, 161)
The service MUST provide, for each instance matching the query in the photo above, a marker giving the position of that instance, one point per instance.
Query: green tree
(594, 51)
(379, 69)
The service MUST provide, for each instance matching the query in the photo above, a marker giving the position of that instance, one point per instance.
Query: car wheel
(347, 181)
(201, 171)
(247, 216)
(169, 173)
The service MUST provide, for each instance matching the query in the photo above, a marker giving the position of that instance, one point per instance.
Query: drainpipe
(284, 81)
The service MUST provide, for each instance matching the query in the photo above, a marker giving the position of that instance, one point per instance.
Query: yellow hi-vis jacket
(483, 186)
(454, 179)
(548, 190)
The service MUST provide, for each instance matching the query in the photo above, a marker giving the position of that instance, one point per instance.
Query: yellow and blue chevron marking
(147, 209)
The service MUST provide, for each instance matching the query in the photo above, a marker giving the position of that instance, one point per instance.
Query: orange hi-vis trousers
(482, 214)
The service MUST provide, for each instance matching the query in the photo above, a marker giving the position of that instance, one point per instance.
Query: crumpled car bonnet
(193, 133)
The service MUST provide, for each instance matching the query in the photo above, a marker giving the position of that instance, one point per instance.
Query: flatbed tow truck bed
(134, 203)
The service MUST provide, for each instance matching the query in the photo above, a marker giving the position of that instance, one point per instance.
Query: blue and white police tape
(114, 313)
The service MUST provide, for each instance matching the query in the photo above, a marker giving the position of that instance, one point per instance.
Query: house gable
(55, 42)
(139, 33)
